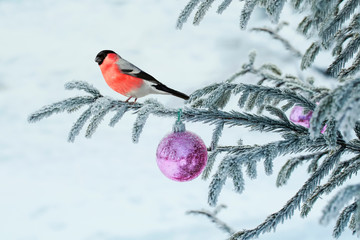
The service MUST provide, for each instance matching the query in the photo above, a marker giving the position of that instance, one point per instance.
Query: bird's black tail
(172, 91)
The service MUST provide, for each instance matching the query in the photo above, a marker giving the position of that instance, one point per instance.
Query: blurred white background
(106, 187)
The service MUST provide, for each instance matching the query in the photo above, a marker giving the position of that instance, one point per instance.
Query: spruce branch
(297, 3)
(333, 26)
(354, 225)
(79, 124)
(352, 70)
(270, 67)
(185, 13)
(212, 216)
(288, 210)
(341, 105)
(98, 109)
(238, 156)
(233, 118)
(246, 12)
(223, 6)
(217, 96)
(274, 8)
(210, 163)
(288, 89)
(251, 170)
(274, 34)
(278, 94)
(236, 175)
(61, 106)
(218, 180)
(269, 73)
(349, 51)
(331, 20)
(142, 115)
(341, 173)
(278, 113)
(203, 8)
(251, 101)
(310, 55)
(203, 91)
(341, 38)
(331, 133)
(100, 106)
(288, 168)
(353, 222)
(216, 135)
(357, 129)
(338, 202)
(115, 119)
(343, 219)
(305, 25)
(81, 85)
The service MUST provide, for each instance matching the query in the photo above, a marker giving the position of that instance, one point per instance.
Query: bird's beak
(98, 60)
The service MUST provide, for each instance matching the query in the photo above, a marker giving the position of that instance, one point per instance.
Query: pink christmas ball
(181, 156)
(298, 117)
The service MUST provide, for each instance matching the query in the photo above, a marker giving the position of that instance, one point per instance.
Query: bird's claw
(132, 103)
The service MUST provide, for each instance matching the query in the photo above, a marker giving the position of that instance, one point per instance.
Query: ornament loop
(179, 126)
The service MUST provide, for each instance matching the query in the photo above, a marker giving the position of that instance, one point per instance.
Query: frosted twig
(213, 218)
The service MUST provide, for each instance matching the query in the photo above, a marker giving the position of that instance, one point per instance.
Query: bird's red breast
(118, 81)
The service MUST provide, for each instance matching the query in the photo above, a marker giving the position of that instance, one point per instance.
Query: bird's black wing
(146, 76)
(130, 69)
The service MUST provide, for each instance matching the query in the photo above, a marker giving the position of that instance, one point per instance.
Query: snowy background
(106, 187)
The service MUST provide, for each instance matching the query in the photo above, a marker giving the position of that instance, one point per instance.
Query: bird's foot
(127, 101)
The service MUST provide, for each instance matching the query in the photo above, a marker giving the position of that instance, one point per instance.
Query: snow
(106, 187)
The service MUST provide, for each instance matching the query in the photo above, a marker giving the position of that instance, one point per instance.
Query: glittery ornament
(298, 117)
(181, 155)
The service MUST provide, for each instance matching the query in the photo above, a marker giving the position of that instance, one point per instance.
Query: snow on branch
(292, 163)
(274, 34)
(185, 13)
(338, 202)
(352, 70)
(343, 219)
(272, 7)
(238, 156)
(338, 109)
(99, 106)
(80, 85)
(216, 135)
(341, 105)
(212, 216)
(345, 55)
(223, 6)
(332, 20)
(310, 55)
(288, 210)
(341, 173)
(70, 105)
(246, 12)
(334, 25)
(289, 90)
(199, 15)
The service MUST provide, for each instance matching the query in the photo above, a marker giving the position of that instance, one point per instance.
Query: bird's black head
(102, 55)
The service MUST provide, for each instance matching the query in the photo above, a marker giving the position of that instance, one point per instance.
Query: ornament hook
(179, 115)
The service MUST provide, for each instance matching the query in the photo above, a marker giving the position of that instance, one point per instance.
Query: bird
(129, 80)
